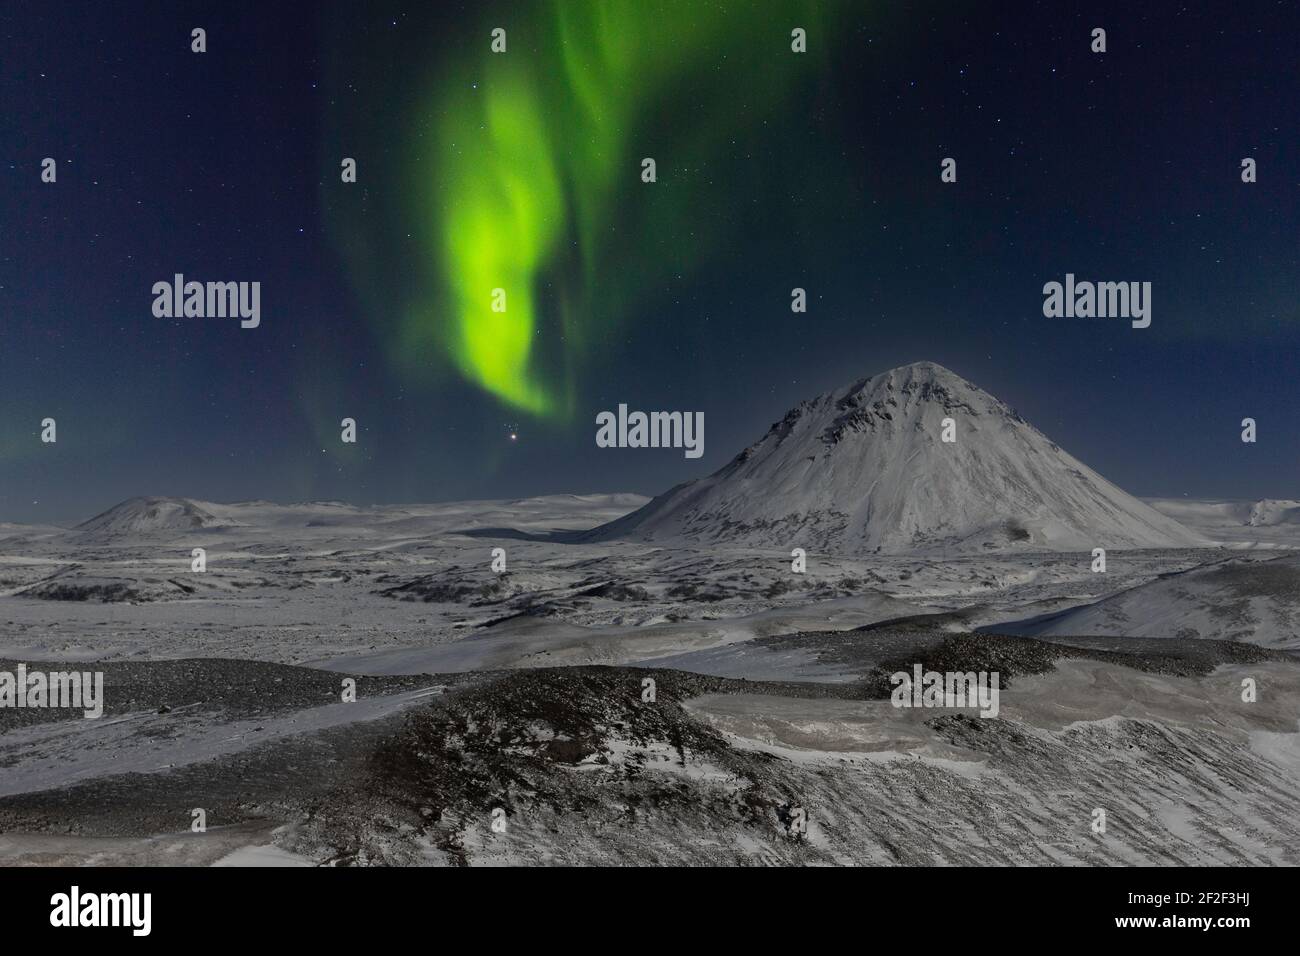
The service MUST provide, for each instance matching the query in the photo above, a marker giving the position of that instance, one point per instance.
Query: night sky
(775, 170)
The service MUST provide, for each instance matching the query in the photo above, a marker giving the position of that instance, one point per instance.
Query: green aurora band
(537, 164)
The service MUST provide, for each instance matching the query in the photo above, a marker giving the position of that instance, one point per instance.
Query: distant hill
(146, 516)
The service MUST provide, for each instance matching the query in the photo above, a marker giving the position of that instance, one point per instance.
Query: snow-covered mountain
(147, 516)
(865, 469)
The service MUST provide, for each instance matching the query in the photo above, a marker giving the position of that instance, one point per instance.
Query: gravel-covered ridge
(231, 688)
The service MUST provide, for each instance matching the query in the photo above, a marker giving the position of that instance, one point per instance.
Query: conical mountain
(865, 469)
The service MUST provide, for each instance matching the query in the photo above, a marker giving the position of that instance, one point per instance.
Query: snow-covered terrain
(1253, 599)
(582, 769)
(477, 690)
(1266, 523)
(411, 587)
(865, 469)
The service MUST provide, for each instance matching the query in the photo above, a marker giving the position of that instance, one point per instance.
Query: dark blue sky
(222, 166)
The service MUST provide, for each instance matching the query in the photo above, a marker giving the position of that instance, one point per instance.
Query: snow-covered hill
(865, 469)
(1266, 523)
(1246, 599)
(149, 516)
(173, 517)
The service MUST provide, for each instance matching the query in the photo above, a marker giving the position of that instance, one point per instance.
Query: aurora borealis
(522, 171)
(539, 156)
